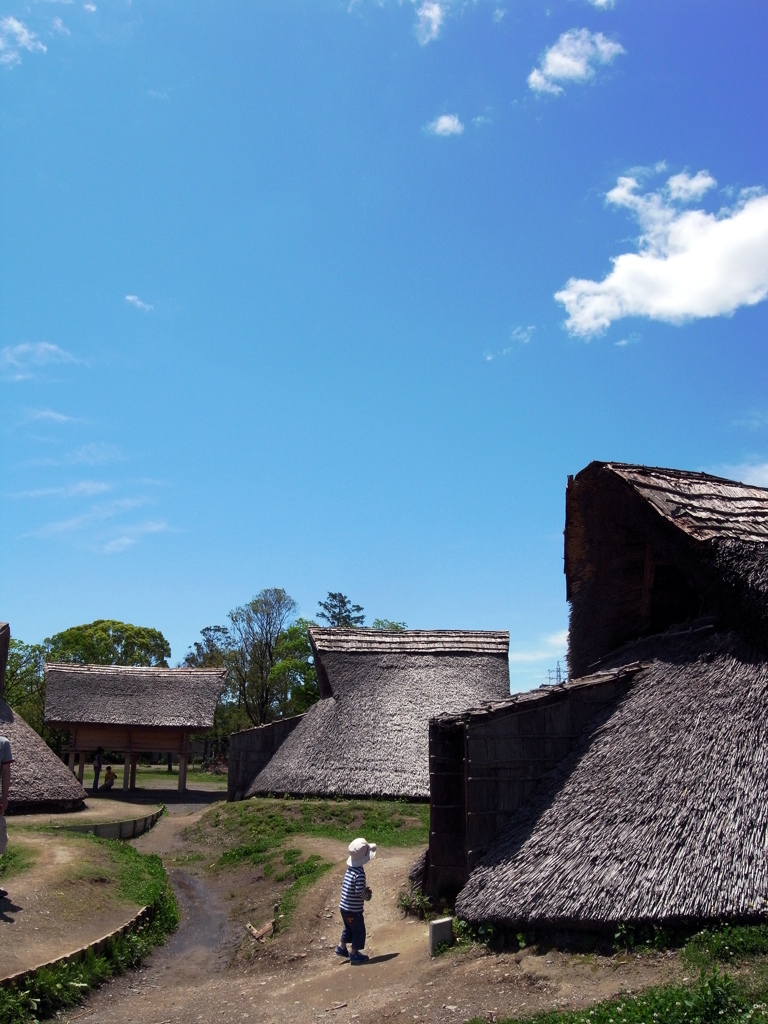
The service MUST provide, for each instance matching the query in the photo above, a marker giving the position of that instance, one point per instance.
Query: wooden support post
(134, 761)
(71, 761)
(81, 767)
(183, 758)
(126, 771)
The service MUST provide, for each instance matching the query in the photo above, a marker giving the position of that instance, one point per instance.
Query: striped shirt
(353, 891)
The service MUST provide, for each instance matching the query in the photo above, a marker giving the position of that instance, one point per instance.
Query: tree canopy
(338, 610)
(108, 642)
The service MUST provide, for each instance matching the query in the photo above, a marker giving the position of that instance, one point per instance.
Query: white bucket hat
(360, 852)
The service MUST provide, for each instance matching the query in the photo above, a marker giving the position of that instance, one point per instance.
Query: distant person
(6, 758)
(354, 893)
(97, 762)
(109, 778)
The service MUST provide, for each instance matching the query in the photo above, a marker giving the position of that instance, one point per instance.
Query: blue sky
(333, 296)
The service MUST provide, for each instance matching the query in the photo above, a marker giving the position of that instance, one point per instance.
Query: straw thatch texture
(39, 780)
(658, 815)
(5, 646)
(368, 736)
(182, 698)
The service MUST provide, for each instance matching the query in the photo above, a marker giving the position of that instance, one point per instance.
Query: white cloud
(132, 535)
(756, 419)
(49, 416)
(445, 125)
(573, 58)
(134, 300)
(755, 473)
(548, 647)
(15, 37)
(690, 264)
(481, 119)
(20, 362)
(430, 17)
(81, 489)
(89, 7)
(58, 26)
(498, 14)
(518, 335)
(605, 5)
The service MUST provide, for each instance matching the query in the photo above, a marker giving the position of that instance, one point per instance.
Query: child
(354, 892)
(109, 778)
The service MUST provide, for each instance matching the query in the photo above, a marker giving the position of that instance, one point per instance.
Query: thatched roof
(658, 814)
(39, 780)
(181, 698)
(368, 736)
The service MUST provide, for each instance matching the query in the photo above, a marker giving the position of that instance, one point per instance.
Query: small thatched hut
(368, 734)
(39, 781)
(131, 710)
(644, 800)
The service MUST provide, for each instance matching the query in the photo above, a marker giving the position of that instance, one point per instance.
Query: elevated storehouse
(632, 793)
(368, 734)
(39, 781)
(131, 710)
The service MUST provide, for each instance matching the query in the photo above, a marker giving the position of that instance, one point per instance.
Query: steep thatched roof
(658, 814)
(39, 780)
(368, 736)
(182, 698)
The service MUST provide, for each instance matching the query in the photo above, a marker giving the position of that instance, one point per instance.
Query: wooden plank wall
(508, 752)
(251, 750)
(128, 739)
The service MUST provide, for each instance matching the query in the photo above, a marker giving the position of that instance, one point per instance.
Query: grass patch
(15, 860)
(716, 999)
(303, 874)
(727, 944)
(141, 879)
(252, 829)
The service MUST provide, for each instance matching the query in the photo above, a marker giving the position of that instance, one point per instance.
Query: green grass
(252, 828)
(727, 945)
(715, 999)
(15, 860)
(302, 874)
(142, 880)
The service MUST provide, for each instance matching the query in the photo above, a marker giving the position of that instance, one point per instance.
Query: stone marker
(440, 932)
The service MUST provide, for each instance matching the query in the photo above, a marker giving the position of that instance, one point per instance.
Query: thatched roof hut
(368, 734)
(131, 709)
(653, 811)
(39, 780)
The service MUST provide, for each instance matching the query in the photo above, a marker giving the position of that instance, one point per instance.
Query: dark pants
(96, 772)
(354, 929)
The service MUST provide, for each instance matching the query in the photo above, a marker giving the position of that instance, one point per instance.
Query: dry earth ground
(212, 971)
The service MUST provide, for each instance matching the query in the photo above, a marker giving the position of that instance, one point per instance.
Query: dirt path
(43, 917)
(201, 974)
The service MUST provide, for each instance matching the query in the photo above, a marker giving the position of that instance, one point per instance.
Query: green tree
(256, 630)
(214, 650)
(394, 627)
(108, 642)
(294, 677)
(25, 682)
(337, 610)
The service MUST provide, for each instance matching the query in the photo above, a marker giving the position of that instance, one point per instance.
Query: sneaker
(340, 951)
(358, 958)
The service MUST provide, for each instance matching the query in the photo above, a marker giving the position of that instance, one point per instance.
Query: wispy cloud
(81, 489)
(498, 14)
(605, 5)
(22, 362)
(429, 20)
(132, 535)
(548, 647)
(754, 420)
(134, 300)
(58, 26)
(573, 58)
(690, 264)
(14, 38)
(755, 473)
(49, 416)
(89, 7)
(518, 336)
(445, 125)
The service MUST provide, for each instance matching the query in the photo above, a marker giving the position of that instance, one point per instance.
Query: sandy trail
(297, 977)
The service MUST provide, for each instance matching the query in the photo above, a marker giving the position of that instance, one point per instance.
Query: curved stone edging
(129, 829)
(144, 915)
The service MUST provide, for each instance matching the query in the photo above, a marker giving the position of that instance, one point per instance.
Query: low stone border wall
(116, 829)
(144, 915)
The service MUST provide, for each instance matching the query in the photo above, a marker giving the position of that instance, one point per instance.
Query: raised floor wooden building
(131, 710)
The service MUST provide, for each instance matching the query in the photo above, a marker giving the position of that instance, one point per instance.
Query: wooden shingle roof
(703, 506)
(410, 641)
(182, 698)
